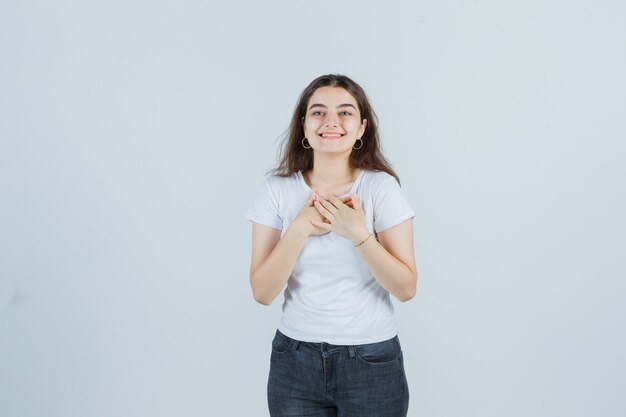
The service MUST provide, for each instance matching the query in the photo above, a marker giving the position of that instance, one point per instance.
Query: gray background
(135, 134)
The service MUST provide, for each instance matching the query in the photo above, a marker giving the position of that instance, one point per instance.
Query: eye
(316, 113)
(346, 113)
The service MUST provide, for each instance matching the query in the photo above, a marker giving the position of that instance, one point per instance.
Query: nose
(331, 119)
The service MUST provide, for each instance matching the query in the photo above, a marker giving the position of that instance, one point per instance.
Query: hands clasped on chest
(325, 213)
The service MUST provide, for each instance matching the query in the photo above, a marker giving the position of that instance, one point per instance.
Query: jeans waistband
(323, 347)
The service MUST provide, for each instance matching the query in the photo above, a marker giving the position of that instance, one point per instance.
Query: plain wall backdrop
(135, 134)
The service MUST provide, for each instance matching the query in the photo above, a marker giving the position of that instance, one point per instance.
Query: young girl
(333, 225)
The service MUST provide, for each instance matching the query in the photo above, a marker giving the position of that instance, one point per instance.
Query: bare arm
(273, 260)
(273, 257)
(392, 261)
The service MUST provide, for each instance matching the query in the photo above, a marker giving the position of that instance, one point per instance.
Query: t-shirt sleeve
(264, 209)
(390, 205)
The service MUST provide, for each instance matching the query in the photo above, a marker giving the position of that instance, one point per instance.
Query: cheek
(311, 125)
(352, 124)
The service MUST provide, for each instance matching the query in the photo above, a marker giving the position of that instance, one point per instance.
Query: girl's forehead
(332, 94)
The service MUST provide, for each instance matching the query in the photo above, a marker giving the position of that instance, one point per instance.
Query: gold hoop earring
(305, 146)
(359, 146)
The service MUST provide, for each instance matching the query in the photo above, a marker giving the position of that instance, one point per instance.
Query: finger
(346, 200)
(338, 202)
(321, 207)
(333, 201)
(322, 225)
(356, 202)
(333, 208)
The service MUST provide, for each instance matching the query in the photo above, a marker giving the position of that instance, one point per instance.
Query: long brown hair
(294, 157)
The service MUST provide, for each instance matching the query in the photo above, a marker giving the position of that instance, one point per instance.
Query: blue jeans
(319, 379)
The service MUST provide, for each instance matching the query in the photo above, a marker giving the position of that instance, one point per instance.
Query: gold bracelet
(370, 235)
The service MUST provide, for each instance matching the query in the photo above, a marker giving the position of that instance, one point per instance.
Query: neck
(327, 172)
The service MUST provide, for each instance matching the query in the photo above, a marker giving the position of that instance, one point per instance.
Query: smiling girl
(332, 227)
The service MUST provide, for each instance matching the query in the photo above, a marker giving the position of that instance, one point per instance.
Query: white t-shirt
(331, 295)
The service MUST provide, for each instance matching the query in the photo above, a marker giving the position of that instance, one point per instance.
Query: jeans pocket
(388, 351)
(281, 343)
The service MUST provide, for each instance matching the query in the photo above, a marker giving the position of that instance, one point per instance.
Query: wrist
(296, 230)
(360, 237)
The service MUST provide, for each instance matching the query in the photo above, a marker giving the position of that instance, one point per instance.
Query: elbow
(261, 299)
(410, 291)
(259, 296)
(407, 295)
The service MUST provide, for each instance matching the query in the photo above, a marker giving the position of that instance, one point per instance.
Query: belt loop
(351, 351)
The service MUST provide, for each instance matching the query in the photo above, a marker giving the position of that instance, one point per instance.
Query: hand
(347, 220)
(308, 214)
(302, 221)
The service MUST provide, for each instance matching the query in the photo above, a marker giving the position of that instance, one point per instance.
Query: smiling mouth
(331, 135)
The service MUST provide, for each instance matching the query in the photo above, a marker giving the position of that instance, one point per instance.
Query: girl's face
(332, 122)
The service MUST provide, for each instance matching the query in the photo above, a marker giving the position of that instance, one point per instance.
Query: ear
(362, 128)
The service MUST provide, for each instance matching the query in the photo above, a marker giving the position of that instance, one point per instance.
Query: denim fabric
(319, 379)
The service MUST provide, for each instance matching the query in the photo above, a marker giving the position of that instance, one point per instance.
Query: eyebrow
(341, 105)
